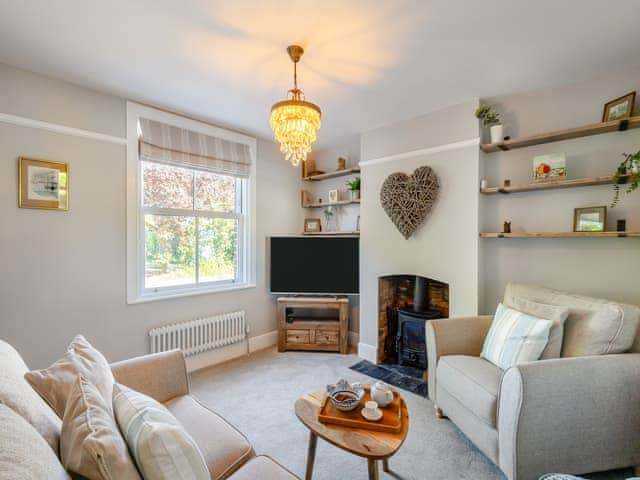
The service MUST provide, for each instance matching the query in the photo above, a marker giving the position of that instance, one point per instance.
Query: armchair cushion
(473, 382)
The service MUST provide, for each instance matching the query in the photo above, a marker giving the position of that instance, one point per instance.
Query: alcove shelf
(559, 135)
(330, 204)
(532, 187)
(561, 234)
(337, 173)
(332, 234)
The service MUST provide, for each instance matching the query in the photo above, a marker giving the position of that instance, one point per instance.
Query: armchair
(571, 414)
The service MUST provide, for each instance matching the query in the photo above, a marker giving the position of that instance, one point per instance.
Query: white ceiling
(368, 62)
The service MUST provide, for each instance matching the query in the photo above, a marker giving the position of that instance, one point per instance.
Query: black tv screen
(314, 265)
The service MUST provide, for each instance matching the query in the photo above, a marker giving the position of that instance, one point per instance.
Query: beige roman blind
(176, 146)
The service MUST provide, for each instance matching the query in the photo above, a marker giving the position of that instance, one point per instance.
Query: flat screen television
(314, 265)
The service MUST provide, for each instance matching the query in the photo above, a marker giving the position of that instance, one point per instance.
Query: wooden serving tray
(391, 421)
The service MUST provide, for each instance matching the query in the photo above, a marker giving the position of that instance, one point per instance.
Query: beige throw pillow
(162, 448)
(24, 454)
(557, 315)
(54, 383)
(90, 443)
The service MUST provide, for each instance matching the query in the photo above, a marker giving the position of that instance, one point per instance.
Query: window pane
(170, 245)
(215, 192)
(166, 186)
(217, 246)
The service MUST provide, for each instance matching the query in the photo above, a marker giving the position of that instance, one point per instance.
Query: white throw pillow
(515, 337)
(163, 450)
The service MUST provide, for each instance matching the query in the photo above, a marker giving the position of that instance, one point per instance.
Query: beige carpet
(257, 393)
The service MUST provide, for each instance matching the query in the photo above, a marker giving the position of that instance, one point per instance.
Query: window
(192, 207)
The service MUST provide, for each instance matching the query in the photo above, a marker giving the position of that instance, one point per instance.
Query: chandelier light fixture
(295, 121)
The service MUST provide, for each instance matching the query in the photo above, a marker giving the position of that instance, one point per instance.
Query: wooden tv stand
(304, 325)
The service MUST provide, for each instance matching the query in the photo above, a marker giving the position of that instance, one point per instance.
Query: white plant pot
(497, 133)
(355, 194)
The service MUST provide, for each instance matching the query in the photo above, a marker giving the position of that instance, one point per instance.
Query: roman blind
(176, 146)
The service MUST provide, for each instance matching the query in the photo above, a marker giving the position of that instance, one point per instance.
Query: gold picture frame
(43, 184)
(620, 108)
(312, 225)
(590, 219)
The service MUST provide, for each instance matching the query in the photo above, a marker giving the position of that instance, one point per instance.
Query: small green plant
(354, 184)
(328, 213)
(628, 172)
(488, 115)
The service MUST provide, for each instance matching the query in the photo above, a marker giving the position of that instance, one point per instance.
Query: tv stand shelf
(308, 332)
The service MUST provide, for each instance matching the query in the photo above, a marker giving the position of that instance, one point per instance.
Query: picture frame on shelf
(619, 108)
(550, 168)
(43, 184)
(590, 219)
(333, 196)
(312, 225)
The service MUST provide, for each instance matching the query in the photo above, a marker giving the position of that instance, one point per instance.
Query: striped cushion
(515, 337)
(163, 450)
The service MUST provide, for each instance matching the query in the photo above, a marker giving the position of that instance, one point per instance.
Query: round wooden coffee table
(370, 444)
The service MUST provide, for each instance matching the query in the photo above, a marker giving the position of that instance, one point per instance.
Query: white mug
(371, 407)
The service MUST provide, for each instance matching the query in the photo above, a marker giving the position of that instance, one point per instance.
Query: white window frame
(136, 292)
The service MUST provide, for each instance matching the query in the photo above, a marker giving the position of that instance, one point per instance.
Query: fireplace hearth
(406, 302)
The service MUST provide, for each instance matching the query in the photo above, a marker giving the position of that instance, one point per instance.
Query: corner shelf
(330, 204)
(337, 173)
(578, 182)
(559, 135)
(562, 235)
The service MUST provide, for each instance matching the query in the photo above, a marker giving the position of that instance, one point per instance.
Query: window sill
(168, 295)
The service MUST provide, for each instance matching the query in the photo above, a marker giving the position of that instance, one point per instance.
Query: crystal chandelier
(295, 121)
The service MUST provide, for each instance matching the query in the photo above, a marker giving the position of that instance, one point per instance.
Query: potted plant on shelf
(628, 172)
(490, 118)
(354, 188)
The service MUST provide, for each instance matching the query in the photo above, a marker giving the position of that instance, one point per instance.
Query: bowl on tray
(344, 395)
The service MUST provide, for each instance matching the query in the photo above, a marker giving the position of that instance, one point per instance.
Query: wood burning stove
(410, 339)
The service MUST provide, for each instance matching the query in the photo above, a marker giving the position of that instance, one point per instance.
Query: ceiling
(367, 62)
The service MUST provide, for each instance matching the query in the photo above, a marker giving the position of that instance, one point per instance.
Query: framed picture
(333, 196)
(43, 184)
(312, 225)
(590, 219)
(547, 168)
(619, 108)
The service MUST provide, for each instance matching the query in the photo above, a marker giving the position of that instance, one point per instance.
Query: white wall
(605, 267)
(445, 247)
(63, 273)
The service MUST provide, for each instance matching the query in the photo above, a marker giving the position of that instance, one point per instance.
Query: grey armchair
(572, 414)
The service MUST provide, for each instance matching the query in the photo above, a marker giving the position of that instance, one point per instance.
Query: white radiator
(201, 334)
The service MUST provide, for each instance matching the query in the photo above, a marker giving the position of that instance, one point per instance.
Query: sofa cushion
(472, 381)
(17, 394)
(54, 383)
(224, 448)
(263, 468)
(557, 315)
(162, 448)
(594, 326)
(24, 454)
(91, 444)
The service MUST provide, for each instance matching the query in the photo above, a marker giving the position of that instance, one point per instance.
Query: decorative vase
(355, 194)
(497, 133)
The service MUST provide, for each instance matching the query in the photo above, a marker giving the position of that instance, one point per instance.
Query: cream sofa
(163, 376)
(576, 414)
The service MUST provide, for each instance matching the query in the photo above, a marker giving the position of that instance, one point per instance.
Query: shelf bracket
(622, 235)
(623, 125)
(502, 190)
(503, 147)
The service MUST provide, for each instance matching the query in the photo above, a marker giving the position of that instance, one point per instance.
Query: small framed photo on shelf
(619, 108)
(43, 184)
(333, 196)
(590, 219)
(549, 168)
(312, 225)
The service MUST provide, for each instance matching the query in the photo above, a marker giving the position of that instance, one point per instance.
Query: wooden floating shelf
(559, 135)
(332, 234)
(578, 182)
(562, 235)
(332, 204)
(337, 173)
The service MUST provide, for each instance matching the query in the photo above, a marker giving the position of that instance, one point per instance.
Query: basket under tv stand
(313, 323)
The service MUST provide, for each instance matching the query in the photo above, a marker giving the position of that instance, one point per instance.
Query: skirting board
(230, 352)
(368, 352)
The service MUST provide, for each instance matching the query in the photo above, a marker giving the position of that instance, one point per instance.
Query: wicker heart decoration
(408, 199)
